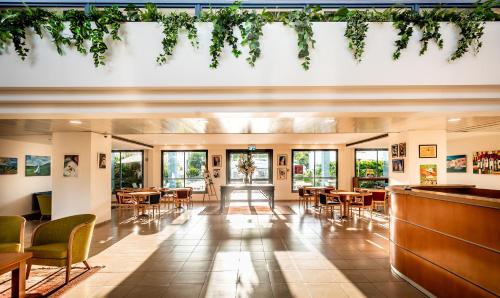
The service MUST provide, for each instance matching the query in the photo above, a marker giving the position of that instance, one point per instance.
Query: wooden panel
(472, 262)
(398, 205)
(472, 223)
(431, 277)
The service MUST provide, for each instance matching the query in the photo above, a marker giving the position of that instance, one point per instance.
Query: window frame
(246, 151)
(121, 177)
(184, 164)
(314, 169)
(369, 149)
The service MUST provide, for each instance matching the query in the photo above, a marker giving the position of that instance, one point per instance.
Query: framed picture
(456, 164)
(486, 162)
(398, 165)
(281, 173)
(102, 160)
(427, 151)
(282, 160)
(428, 174)
(216, 173)
(394, 151)
(37, 165)
(70, 166)
(8, 165)
(298, 169)
(402, 149)
(216, 161)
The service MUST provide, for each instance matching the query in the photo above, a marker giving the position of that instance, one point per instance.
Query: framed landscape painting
(37, 165)
(8, 165)
(456, 164)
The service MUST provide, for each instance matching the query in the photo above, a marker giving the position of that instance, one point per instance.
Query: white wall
(16, 190)
(412, 162)
(90, 192)
(468, 143)
(132, 62)
(283, 187)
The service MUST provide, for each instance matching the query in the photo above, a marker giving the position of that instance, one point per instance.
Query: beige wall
(468, 143)
(283, 187)
(16, 190)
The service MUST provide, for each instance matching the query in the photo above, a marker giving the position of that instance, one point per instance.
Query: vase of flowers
(246, 166)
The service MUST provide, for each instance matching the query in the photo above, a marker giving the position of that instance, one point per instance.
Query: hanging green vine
(89, 32)
(172, 24)
(355, 32)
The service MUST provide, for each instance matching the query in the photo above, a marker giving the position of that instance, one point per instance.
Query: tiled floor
(191, 255)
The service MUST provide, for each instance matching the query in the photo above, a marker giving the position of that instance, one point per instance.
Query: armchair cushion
(10, 247)
(49, 251)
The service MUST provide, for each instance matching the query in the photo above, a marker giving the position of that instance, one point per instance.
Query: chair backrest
(379, 196)
(45, 203)
(154, 199)
(12, 229)
(367, 200)
(322, 198)
(182, 193)
(301, 191)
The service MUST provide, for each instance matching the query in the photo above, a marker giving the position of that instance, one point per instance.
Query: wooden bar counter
(446, 239)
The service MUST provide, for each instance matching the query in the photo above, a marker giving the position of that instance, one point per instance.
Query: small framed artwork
(428, 174)
(8, 165)
(102, 160)
(70, 166)
(398, 165)
(216, 161)
(394, 151)
(216, 173)
(427, 151)
(281, 173)
(37, 165)
(456, 164)
(282, 160)
(402, 149)
(298, 169)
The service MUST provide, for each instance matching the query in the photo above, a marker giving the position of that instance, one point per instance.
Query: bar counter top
(458, 193)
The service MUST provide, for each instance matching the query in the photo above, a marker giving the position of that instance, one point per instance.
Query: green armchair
(62, 242)
(12, 233)
(45, 203)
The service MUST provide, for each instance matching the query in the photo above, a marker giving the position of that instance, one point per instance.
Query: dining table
(15, 263)
(141, 196)
(316, 190)
(346, 197)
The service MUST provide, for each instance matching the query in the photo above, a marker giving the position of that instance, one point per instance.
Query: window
(263, 162)
(369, 165)
(127, 168)
(314, 168)
(184, 169)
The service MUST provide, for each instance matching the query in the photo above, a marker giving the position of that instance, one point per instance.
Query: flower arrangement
(246, 166)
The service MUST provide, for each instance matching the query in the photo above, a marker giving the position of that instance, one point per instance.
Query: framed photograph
(282, 160)
(102, 160)
(216, 173)
(394, 151)
(216, 161)
(70, 166)
(402, 149)
(486, 162)
(456, 164)
(298, 169)
(398, 165)
(427, 151)
(281, 173)
(428, 174)
(8, 165)
(37, 165)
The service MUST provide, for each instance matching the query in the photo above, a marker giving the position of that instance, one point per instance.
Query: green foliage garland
(89, 31)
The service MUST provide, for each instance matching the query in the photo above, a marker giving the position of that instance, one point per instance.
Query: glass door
(263, 162)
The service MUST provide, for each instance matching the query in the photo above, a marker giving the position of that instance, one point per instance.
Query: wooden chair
(304, 196)
(12, 233)
(363, 201)
(329, 201)
(152, 202)
(181, 196)
(190, 195)
(125, 200)
(167, 197)
(380, 198)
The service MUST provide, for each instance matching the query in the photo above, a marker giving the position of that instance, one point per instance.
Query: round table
(315, 190)
(345, 198)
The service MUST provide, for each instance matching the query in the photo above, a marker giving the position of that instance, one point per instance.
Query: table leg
(19, 281)
(222, 200)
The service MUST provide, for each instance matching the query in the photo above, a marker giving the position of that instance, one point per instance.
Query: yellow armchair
(12, 233)
(62, 242)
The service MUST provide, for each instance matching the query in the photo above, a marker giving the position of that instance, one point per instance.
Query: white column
(412, 161)
(90, 190)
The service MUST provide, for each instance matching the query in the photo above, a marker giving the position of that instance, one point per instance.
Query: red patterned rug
(47, 281)
(248, 210)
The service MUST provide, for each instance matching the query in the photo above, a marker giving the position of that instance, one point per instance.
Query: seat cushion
(10, 247)
(49, 251)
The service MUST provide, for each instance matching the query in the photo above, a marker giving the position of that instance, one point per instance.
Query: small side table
(15, 262)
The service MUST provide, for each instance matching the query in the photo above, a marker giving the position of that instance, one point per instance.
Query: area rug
(48, 281)
(248, 210)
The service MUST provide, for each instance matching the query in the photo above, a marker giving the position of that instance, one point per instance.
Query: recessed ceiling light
(454, 119)
(76, 122)
(330, 120)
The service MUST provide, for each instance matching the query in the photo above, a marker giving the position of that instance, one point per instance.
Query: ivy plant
(172, 24)
(355, 32)
(300, 21)
(251, 32)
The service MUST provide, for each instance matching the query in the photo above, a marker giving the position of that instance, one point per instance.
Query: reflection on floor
(190, 255)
